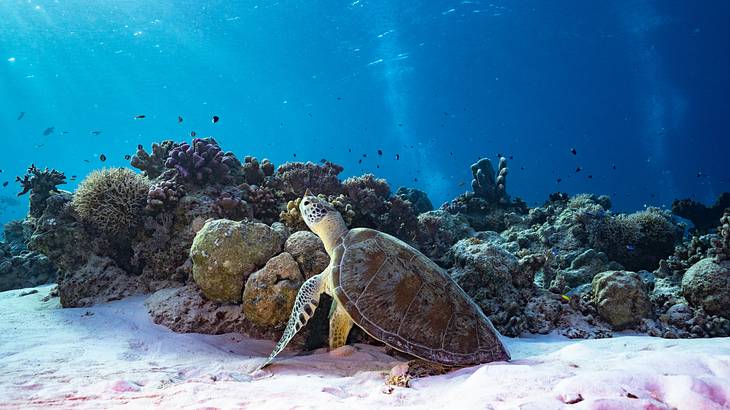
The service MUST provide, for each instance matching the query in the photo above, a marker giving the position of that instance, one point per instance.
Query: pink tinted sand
(113, 356)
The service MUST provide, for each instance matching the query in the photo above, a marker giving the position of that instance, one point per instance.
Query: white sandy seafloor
(112, 355)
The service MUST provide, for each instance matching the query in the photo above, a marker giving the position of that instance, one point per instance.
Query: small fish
(359, 161)
(578, 169)
(349, 150)
(566, 297)
(65, 132)
(559, 179)
(86, 161)
(40, 145)
(21, 115)
(216, 119)
(522, 168)
(192, 133)
(590, 176)
(179, 119)
(499, 155)
(140, 117)
(380, 152)
(140, 147)
(700, 175)
(295, 155)
(96, 132)
(5, 183)
(630, 247)
(573, 151)
(102, 157)
(613, 166)
(339, 98)
(511, 157)
(415, 179)
(48, 131)
(462, 183)
(397, 157)
(127, 157)
(400, 124)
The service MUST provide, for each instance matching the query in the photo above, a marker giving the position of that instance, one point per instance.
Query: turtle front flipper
(340, 325)
(304, 307)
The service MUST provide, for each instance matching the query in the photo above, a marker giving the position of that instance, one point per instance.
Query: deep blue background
(643, 85)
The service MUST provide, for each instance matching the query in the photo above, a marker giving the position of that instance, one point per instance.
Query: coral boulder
(620, 298)
(225, 252)
(269, 295)
(706, 284)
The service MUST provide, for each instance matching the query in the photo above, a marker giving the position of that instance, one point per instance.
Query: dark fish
(48, 131)
(295, 155)
(380, 152)
(216, 119)
(127, 157)
(578, 169)
(102, 157)
(349, 150)
(499, 155)
(613, 166)
(397, 157)
(179, 119)
(5, 183)
(86, 161)
(192, 133)
(450, 153)
(590, 176)
(364, 155)
(21, 115)
(559, 179)
(339, 98)
(377, 166)
(140, 147)
(462, 183)
(140, 117)
(400, 124)
(415, 179)
(359, 161)
(65, 132)
(511, 157)
(522, 168)
(40, 145)
(573, 151)
(96, 132)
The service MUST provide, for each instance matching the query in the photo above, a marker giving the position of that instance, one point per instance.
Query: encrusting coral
(112, 200)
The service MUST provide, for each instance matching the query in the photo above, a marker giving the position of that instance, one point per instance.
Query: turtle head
(323, 219)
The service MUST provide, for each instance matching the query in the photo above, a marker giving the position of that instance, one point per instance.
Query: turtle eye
(306, 202)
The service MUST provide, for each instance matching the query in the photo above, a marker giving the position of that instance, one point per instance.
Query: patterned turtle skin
(402, 298)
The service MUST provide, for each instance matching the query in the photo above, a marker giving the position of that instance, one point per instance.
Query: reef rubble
(220, 246)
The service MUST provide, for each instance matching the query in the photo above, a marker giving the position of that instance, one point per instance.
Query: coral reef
(269, 294)
(41, 185)
(225, 252)
(20, 268)
(438, 231)
(99, 280)
(112, 200)
(488, 185)
(164, 196)
(254, 172)
(703, 217)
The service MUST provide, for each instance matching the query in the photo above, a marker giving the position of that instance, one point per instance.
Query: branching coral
(265, 202)
(152, 165)
(487, 184)
(721, 245)
(201, 162)
(112, 200)
(255, 172)
(40, 184)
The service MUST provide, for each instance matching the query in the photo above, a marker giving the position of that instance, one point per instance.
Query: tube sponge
(112, 200)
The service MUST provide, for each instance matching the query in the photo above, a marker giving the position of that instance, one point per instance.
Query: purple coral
(164, 195)
(201, 161)
(152, 165)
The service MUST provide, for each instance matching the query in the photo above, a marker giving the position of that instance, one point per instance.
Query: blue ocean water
(640, 89)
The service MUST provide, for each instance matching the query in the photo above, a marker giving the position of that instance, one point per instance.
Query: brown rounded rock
(308, 250)
(224, 252)
(706, 284)
(269, 295)
(620, 298)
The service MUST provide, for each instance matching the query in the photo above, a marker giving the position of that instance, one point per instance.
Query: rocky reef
(221, 247)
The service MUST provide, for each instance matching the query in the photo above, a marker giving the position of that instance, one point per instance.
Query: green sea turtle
(393, 292)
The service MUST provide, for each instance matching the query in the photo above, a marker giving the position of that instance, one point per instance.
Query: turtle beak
(308, 192)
